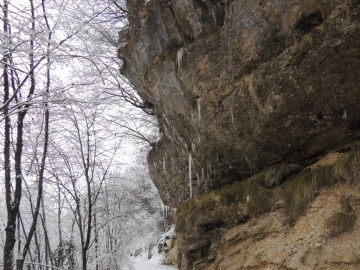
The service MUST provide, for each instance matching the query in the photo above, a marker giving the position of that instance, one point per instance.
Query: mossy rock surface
(254, 196)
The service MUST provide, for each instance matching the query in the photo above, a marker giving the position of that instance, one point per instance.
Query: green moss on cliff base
(299, 190)
(296, 193)
(254, 196)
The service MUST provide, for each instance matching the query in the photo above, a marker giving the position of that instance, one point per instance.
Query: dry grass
(301, 189)
(339, 223)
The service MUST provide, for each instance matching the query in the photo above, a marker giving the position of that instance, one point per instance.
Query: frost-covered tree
(66, 111)
(25, 57)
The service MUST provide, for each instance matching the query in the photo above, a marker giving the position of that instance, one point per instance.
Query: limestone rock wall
(239, 85)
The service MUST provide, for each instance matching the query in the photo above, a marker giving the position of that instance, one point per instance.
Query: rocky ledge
(240, 85)
(308, 222)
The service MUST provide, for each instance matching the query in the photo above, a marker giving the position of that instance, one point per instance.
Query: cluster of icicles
(190, 148)
(167, 210)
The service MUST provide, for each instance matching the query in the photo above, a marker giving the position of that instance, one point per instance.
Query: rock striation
(239, 85)
(270, 243)
(308, 222)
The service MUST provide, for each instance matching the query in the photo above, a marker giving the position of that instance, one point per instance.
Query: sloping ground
(161, 254)
(320, 239)
(308, 222)
(155, 263)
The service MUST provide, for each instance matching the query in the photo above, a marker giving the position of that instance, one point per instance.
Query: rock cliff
(238, 86)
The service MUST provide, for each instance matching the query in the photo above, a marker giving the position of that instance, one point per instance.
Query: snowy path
(140, 263)
(153, 266)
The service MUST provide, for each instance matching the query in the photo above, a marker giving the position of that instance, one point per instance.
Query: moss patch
(256, 195)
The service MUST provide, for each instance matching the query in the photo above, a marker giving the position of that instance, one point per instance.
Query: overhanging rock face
(239, 85)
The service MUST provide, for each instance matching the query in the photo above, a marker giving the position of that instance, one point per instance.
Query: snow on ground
(142, 263)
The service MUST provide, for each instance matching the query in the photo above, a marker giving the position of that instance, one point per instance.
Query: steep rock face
(239, 85)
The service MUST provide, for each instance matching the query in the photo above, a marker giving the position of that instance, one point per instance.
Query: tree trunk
(96, 243)
(83, 254)
(19, 264)
(11, 220)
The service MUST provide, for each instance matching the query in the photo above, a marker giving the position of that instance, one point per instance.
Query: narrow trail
(141, 263)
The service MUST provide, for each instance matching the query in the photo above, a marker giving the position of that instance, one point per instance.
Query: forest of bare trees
(71, 196)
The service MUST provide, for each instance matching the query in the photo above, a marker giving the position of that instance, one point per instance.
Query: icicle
(202, 174)
(179, 58)
(162, 209)
(232, 114)
(249, 163)
(198, 178)
(166, 120)
(164, 167)
(208, 168)
(190, 175)
(198, 107)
